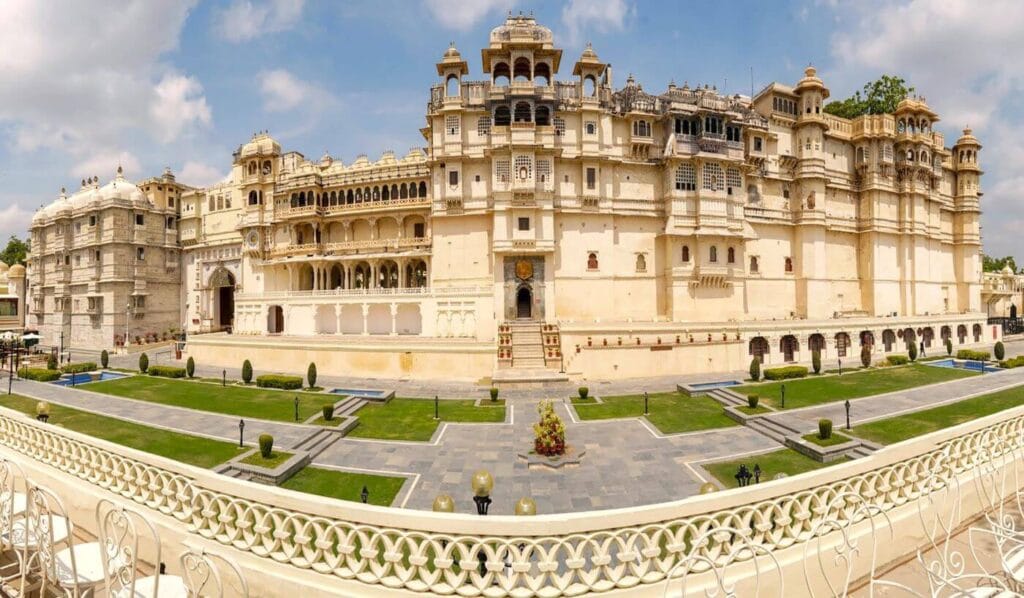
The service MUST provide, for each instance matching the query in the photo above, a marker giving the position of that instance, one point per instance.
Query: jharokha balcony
(339, 247)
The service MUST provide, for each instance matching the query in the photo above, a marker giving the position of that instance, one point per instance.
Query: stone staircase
(529, 353)
(320, 441)
(727, 398)
(527, 345)
(772, 428)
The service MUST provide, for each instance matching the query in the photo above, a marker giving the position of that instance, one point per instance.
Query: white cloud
(244, 20)
(964, 57)
(14, 220)
(198, 174)
(105, 164)
(462, 15)
(282, 91)
(586, 16)
(81, 78)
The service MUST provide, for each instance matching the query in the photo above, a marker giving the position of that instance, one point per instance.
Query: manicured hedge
(39, 374)
(279, 381)
(166, 371)
(973, 355)
(784, 373)
(1013, 362)
(897, 359)
(78, 368)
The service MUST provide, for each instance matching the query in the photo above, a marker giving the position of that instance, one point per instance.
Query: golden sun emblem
(524, 269)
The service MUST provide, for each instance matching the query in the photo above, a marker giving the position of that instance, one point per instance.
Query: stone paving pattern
(625, 463)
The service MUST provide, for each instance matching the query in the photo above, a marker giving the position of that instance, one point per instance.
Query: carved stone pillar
(366, 315)
(394, 319)
(337, 319)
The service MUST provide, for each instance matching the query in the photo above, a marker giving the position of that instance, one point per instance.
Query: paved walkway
(626, 462)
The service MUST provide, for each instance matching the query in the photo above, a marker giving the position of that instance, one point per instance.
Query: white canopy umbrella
(31, 336)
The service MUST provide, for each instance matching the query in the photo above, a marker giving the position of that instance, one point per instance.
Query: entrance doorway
(524, 304)
(275, 320)
(1013, 312)
(223, 283)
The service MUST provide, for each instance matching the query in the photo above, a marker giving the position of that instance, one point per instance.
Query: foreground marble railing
(548, 555)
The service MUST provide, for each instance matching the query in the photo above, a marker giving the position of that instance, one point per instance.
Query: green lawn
(195, 450)
(785, 461)
(670, 412)
(413, 419)
(240, 401)
(346, 485)
(755, 411)
(825, 389)
(895, 429)
(832, 440)
(276, 458)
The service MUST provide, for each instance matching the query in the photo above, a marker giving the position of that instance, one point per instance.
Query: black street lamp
(436, 406)
(840, 365)
(847, 404)
(482, 483)
(645, 403)
(782, 389)
(223, 377)
(296, 407)
(241, 430)
(365, 494)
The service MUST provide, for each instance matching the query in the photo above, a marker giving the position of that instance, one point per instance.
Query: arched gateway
(222, 285)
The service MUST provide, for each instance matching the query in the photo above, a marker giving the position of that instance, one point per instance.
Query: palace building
(556, 225)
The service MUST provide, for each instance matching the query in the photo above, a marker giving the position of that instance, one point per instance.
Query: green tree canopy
(880, 96)
(16, 252)
(996, 264)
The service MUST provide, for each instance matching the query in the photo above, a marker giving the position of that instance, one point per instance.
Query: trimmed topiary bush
(246, 371)
(279, 381)
(865, 355)
(755, 369)
(897, 359)
(266, 445)
(584, 393)
(143, 363)
(972, 355)
(166, 371)
(39, 374)
(328, 411)
(824, 429)
(912, 352)
(494, 393)
(51, 362)
(785, 373)
(190, 368)
(816, 361)
(999, 351)
(1013, 362)
(949, 346)
(104, 358)
(78, 368)
(752, 401)
(311, 375)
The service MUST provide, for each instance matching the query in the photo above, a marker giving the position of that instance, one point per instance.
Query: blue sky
(148, 84)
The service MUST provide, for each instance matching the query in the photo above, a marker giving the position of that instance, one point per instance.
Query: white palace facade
(558, 224)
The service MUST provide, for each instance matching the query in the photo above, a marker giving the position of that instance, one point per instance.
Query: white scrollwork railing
(552, 555)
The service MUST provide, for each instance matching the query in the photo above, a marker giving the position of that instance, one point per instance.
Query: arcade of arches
(365, 274)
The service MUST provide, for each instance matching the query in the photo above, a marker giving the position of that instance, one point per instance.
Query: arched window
(412, 190)
(385, 193)
(403, 191)
(350, 198)
(394, 191)
(252, 167)
(542, 74)
(501, 74)
(543, 116)
(753, 264)
(451, 87)
(686, 254)
(592, 261)
(589, 86)
(713, 255)
(789, 264)
(731, 256)
(641, 263)
(502, 116)
(423, 188)
(523, 113)
(521, 70)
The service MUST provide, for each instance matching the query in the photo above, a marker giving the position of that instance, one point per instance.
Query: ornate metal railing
(551, 555)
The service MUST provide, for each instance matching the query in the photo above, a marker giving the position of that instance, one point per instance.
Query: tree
(755, 369)
(880, 96)
(246, 371)
(949, 346)
(912, 351)
(996, 264)
(865, 355)
(999, 351)
(143, 363)
(104, 358)
(311, 375)
(15, 253)
(190, 367)
(816, 361)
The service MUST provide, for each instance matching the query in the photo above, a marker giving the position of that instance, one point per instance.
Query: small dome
(968, 138)
(16, 271)
(1007, 270)
(3, 267)
(326, 160)
(452, 52)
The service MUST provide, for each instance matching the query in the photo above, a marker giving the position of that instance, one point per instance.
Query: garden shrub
(190, 368)
(865, 356)
(279, 381)
(246, 371)
(949, 346)
(328, 411)
(143, 363)
(999, 351)
(824, 429)
(912, 352)
(816, 361)
(584, 393)
(104, 358)
(51, 362)
(166, 371)
(39, 374)
(972, 355)
(752, 401)
(311, 375)
(898, 359)
(785, 373)
(78, 368)
(549, 432)
(494, 393)
(755, 369)
(266, 445)
(1013, 362)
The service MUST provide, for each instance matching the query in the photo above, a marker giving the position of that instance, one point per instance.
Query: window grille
(733, 179)
(501, 170)
(713, 177)
(543, 170)
(483, 126)
(686, 178)
(451, 122)
(524, 167)
(559, 125)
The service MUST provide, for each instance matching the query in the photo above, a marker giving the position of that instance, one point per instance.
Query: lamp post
(127, 324)
(364, 495)
(645, 403)
(482, 483)
(241, 431)
(782, 389)
(10, 374)
(43, 411)
(840, 365)
(708, 488)
(526, 506)
(847, 405)
(757, 473)
(436, 406)
(223, 377)
(444, 504)
(296, 407)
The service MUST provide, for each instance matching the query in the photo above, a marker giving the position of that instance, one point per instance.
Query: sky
(86, 86)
